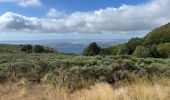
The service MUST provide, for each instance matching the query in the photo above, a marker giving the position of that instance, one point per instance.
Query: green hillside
(158, 35)
(155, 44)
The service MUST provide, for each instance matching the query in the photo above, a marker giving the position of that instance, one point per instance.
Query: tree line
(36, 49)
(156, 44)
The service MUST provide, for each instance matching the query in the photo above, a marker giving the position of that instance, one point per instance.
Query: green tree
(133, 43)
(141, 52)
(153, 51)
(26, 48)
(38, 49)
(92, 49)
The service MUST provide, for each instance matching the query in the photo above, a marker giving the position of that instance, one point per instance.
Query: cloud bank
(126, 18)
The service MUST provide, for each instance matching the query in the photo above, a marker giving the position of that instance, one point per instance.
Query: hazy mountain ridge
(68, 45)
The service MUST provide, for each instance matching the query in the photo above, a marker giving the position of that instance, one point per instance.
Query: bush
(164, 50)
(141, 52)
(71, 69)
(114, 50)
(105, 51)
(122, 49)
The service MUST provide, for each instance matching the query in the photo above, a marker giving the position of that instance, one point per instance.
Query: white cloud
(15, 22)
(25, 3)
(32, 3)
(125, 19)
(53, 13)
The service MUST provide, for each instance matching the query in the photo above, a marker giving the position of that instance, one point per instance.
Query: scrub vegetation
(136, 70)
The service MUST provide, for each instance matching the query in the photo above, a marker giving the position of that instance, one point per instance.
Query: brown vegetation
(100, 91)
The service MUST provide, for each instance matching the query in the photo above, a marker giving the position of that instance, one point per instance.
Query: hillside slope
(155, 44)
(158, 35)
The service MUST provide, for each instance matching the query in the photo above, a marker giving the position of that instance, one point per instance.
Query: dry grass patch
(100, 91)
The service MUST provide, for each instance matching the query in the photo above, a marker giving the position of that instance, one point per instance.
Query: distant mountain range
(68, 45)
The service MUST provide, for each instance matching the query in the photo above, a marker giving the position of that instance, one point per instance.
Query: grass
(100, 91)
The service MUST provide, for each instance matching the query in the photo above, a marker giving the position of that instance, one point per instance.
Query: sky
(80, 19)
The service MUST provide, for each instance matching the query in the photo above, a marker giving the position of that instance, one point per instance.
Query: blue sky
(68, 6)
(80, 19)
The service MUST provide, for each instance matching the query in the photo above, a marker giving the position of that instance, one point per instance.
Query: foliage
(158, 35)
(141, 52)
(164, 50)
(122, 49)
(38, 49)
(73, 70)
(105, 51)
(133, 43)
(114, 50)
(154, 51)
(154, 45)
(26, 48)
(92, 49)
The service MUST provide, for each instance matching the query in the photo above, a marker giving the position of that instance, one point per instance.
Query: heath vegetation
(136, 70)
